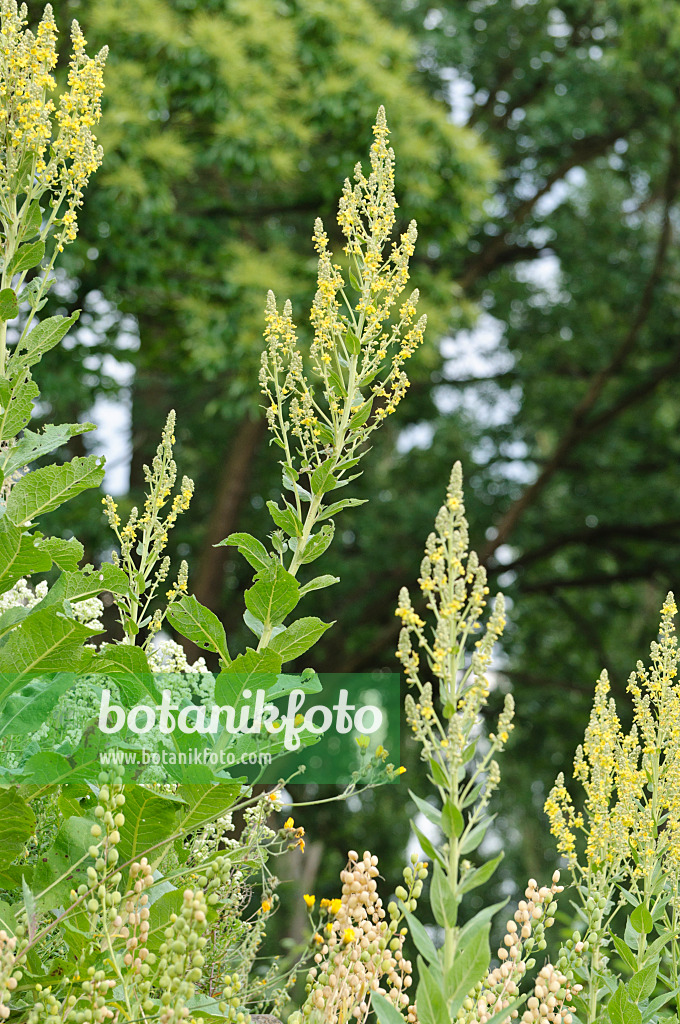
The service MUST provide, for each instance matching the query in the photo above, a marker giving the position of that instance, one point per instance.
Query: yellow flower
(348, 935)
(289, 823)
(309, 900)
(401, 770)
(266, 907)
(335, 906)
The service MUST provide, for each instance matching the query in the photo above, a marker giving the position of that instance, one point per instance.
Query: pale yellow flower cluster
(144, 538)
(524, 936)
(10, 972)
(453, 585)
(631, 818)
(359, 348)
(46, 148)
(361, 951)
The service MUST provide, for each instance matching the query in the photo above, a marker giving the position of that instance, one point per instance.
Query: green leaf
(308, 682)
(253, 670)
(643, 983)
(26, 710)
(318, 583)
(33, 445)
(65, 553)
(337, 506)
(41, 339)
(252, 549)
(361, 415)
(286, 519)
(25, 257)
(9, 307)
(443, 901)
(45, 489)
(337, 382)
(439, 776)
(641, 919)
(56, 868)
(352, 343)
(353, 281)
(469, 967)
(625, 953)
(298, 638)
(385, 1010)
(88, 582)
(426, 845)
(150, 823)
(20, 555)
(481, 874)
(452, 819)
(322, 479)
(474, 837)
(621, 1010)
(31, 219)
(200, 625)
(17, 406)
(430, 999)
(273, 596)
(431, 812)
(317, 544)
(203, 804)
(17, 825)
(421, 939)
(47, 640)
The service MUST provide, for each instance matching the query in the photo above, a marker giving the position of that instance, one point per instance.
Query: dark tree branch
(595, 535)
(578, 424)
(498, 249)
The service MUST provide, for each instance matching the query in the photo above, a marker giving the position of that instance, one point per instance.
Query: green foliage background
(547, 218)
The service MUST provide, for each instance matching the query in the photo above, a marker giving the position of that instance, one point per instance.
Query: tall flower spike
(359, 347)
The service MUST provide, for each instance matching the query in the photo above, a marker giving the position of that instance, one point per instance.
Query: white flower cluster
(23, 596)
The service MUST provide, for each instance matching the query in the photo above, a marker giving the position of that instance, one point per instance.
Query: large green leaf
(481, 874)
(64, 553)
(273, 596)
(40, 340)
(250, 671)
(621, 1010)
(444, 902)
(16, 401)
(26, 257)
(9, 307)
(57, 870)
(298, 638)
(430, 998)
(150, 822)
(46, 641)
(17, 825)
(45, 489)
(205, 803)
(34, 445)
(26, 710)
(200, 625)
(20, 555)
(88, 582)
(469, 966)
(385, 1010)
(250, 547)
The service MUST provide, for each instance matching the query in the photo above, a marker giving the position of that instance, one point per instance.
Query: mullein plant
(622, 845)
(447, 665)
(130, 905)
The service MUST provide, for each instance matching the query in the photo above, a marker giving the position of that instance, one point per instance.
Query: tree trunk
(231, 489)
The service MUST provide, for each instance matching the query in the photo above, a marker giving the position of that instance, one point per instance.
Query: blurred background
(537, 147)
